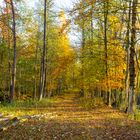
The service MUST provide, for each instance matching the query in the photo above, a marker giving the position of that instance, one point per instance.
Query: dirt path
(66, 120)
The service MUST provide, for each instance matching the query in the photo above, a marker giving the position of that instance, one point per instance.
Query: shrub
(90, 103)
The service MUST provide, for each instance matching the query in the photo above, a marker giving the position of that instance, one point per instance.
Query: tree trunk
(127, 56)
(9, 45)
(131, 105)
(43, 63)
(35, 72)
(82, 91)
(45, 85)
(106, 50)
(13, 80)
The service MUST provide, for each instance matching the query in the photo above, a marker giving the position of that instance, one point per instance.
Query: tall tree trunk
(127, 51)
(106, 3)
(131, 106)
(43, 63)
(82, 91)
(9, 44)
(13, 80)
(35, 71)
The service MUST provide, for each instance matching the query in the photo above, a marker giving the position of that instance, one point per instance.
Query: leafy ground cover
(65, 119)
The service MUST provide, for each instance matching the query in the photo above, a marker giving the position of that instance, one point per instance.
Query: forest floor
(66, 120)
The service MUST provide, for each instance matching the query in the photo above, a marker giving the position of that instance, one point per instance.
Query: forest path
(66, 120)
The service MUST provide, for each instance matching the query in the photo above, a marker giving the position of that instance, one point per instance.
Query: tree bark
(131, 106)
(106, 3)
(35, 71)
(43, 63)
(13, 80)
(128, 53)
(82, 91)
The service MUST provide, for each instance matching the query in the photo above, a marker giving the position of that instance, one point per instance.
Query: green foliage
(29, 107)
(28, 104)
(137, 114)
(87, 66)
(90, 103)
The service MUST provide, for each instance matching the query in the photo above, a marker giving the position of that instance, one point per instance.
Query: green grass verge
(28, 107)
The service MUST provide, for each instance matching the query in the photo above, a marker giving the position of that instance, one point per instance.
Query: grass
(28, 107)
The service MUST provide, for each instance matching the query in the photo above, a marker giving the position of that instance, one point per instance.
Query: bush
(137, 115)
(91, 103)
(4, 97)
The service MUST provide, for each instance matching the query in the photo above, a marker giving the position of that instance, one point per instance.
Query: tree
(13, 80)
(131, 105)
(106, 11)
(43, 63)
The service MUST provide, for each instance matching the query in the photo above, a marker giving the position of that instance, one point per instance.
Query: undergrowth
(25, 107)
(137, 115)
(89, 103)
